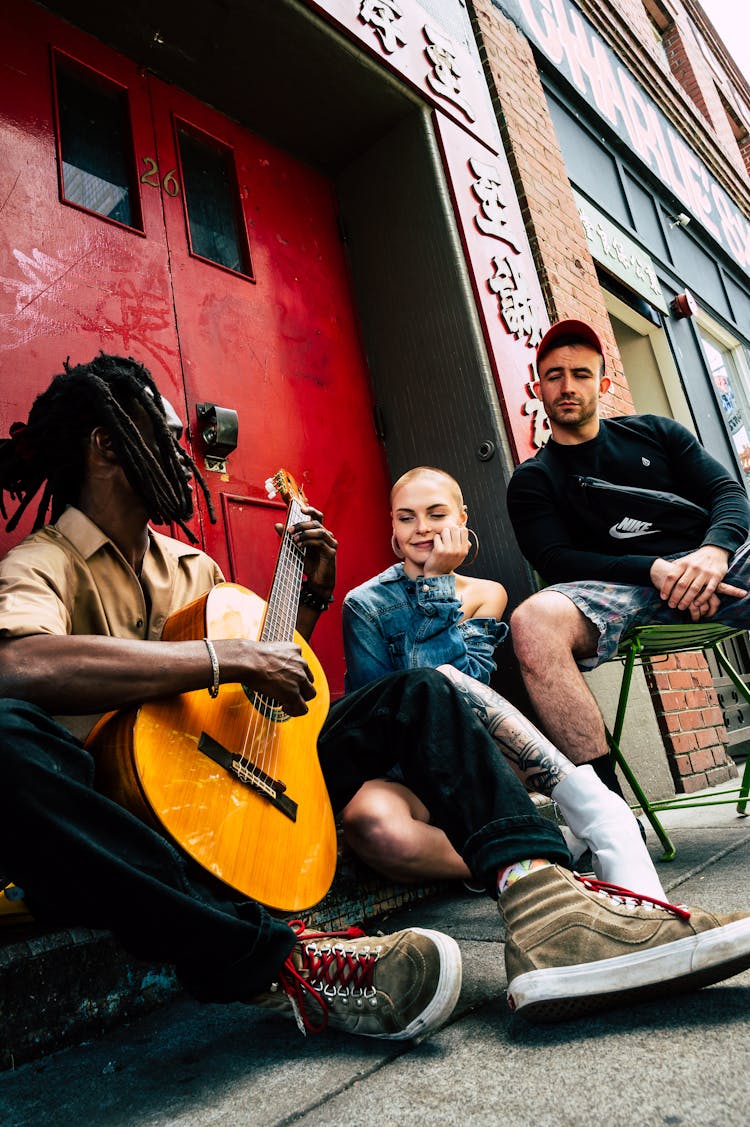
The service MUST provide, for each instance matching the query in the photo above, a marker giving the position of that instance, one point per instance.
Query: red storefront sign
(506, 287)
(413, 45)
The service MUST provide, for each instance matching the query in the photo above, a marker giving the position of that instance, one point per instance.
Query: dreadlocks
(49, 452)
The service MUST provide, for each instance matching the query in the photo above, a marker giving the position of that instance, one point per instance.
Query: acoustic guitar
(233, 780)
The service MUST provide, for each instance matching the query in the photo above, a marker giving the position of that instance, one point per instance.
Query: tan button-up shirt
(69, 578)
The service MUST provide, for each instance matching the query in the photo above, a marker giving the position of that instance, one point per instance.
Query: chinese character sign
(384, 17)
(502, 271)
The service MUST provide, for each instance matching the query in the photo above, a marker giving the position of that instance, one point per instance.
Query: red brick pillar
(690, 720)
(684, 700)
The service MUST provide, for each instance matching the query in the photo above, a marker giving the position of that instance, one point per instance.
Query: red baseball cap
(568, 332)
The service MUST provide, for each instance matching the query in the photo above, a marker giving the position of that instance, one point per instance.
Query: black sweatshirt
(566, 534)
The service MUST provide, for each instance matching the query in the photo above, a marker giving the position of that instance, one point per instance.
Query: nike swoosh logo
(614, 531)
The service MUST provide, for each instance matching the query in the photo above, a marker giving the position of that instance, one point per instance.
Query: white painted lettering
(545, 29)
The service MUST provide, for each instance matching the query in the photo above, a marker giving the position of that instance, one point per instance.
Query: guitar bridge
(272, 789)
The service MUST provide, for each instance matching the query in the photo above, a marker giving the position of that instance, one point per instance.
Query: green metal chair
(652, 642)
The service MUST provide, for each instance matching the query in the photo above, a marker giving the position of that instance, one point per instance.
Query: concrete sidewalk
(679, 1061)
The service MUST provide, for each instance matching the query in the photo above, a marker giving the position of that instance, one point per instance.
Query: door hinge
(378, 422)
(343, 230)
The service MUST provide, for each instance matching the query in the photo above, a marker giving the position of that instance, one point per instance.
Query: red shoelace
(616, 890)
(332, 970)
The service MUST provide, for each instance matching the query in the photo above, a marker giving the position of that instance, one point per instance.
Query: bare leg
(548, 632)
(389, 828)
(538, 764)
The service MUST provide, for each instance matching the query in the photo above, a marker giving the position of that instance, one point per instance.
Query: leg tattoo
(537, 762)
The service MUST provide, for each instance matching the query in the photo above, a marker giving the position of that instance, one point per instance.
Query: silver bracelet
(213, 688)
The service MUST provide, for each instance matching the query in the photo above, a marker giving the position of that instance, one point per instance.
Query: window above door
(96, 157)
(213, 212)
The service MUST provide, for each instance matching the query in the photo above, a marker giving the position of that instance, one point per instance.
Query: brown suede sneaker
(398, 986)
(575, 945)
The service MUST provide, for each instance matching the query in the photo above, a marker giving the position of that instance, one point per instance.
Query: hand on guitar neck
(319, 547)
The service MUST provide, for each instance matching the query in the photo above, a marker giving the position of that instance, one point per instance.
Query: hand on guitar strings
(320, 546)
(278, 670)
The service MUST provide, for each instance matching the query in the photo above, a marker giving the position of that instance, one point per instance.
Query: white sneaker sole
(446, 995)
(558, 993)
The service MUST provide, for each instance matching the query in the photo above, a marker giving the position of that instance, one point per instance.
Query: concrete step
(62, 987)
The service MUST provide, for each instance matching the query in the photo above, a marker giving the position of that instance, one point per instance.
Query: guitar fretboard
(281, 614)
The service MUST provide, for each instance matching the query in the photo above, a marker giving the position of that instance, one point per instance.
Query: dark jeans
(83, 860)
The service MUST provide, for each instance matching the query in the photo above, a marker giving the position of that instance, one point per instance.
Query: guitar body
(270, 836)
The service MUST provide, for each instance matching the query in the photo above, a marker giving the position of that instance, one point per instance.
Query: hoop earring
(475, 545)
(395, 548)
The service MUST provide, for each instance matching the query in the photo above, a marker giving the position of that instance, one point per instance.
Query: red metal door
(270, 333)
(273, 337)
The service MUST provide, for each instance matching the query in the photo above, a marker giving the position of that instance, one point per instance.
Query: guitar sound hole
(268, 708)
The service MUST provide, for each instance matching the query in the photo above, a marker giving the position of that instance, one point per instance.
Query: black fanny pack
(632, 514)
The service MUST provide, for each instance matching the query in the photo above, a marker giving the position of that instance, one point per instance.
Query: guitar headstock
(282, 484)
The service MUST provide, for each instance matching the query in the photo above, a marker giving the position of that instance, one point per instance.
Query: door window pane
(96, 144)
(209, 180)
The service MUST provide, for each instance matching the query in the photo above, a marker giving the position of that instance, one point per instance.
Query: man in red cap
(631, 521)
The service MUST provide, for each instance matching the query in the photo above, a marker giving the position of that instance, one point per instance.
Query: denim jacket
(392, 622)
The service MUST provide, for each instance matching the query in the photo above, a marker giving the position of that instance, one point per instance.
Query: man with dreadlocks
(82, 604)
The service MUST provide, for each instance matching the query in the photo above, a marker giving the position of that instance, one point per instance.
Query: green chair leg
(640, 796)
(744, 789)
(613, 739)
(741, 688)
(656, 640)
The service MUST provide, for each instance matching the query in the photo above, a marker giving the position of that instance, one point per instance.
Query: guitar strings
(285, 608)
(263, 733)
(283, 616)
(259, 732)
(261, 727)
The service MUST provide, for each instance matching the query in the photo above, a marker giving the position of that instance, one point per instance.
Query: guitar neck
(283, 601)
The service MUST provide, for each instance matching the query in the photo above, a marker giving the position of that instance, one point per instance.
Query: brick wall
(691, 69)
(561, 254)
(687, 81)
(684, 701)
(745, 151)
(682, 68)
(690, 720)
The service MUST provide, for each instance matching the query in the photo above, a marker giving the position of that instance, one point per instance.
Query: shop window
(216, 227)
(729, 372)
(95, 144)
